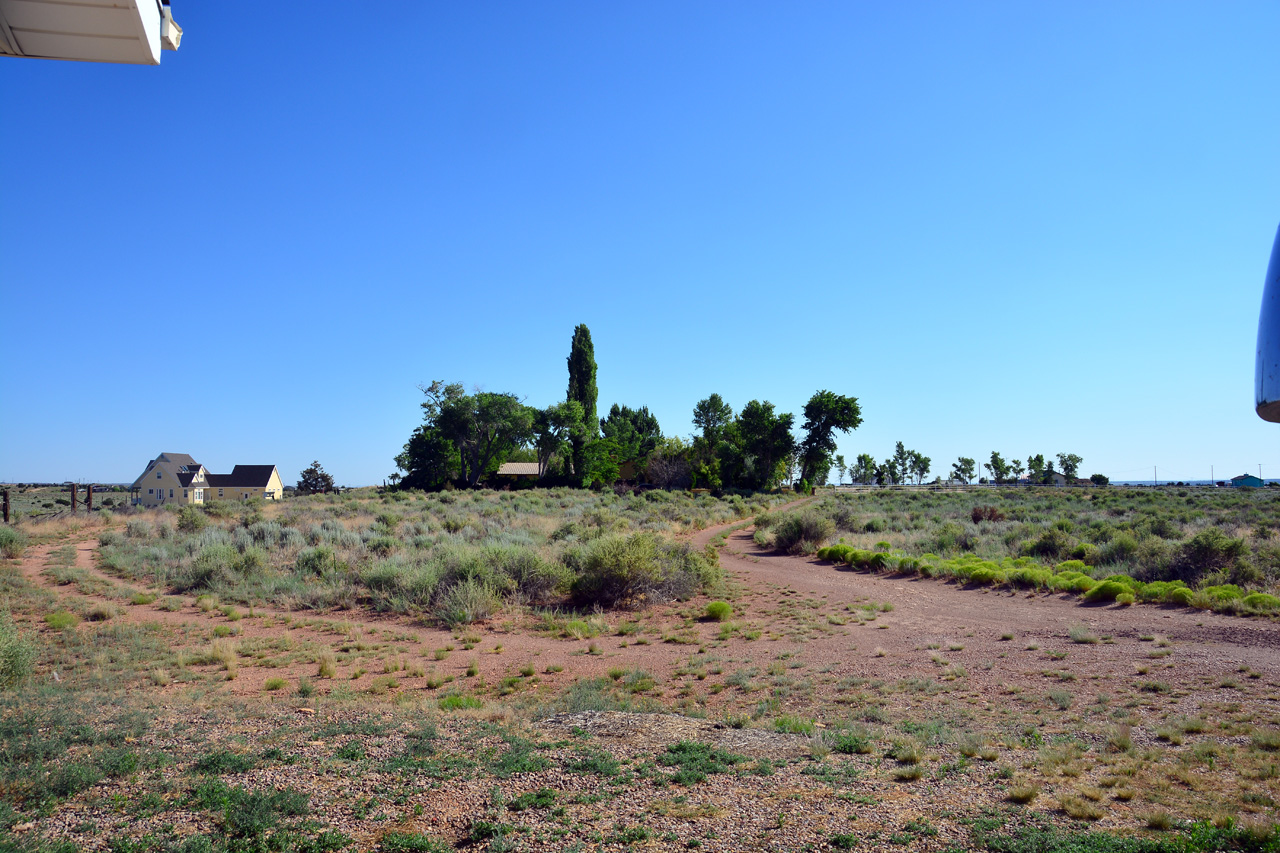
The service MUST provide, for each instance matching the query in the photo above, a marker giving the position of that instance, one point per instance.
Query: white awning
(124, 31)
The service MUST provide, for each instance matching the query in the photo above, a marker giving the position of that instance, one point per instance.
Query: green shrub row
(1070, 576)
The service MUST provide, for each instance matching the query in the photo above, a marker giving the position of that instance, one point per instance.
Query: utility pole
(1155, 475)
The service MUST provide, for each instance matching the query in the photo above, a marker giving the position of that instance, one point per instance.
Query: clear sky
(1028, 227)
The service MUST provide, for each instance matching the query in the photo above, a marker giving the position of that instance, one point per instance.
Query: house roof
(243, 476)
(174, 463)
(515, 469)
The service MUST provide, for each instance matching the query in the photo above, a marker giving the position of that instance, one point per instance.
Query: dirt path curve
(927, 610)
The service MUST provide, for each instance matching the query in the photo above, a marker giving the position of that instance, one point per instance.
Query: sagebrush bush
(12, 542)
(801, 532)
(17, 655)
(466, 602)
(628, 570)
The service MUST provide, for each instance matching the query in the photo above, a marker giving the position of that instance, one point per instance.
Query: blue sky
(1034, 228)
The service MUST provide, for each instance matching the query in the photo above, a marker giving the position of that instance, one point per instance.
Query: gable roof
(176, 464)
(514, 469)
(243, 476)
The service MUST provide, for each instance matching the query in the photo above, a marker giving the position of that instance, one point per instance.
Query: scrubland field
(1000, 669)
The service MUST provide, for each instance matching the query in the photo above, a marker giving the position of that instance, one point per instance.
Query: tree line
(465, 437)
(910, 466)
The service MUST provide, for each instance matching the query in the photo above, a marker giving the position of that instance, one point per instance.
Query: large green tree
(963, 469)
(998, 468)
(635, 431)
(712, 416)
(553, 427)
(901, 462)
(766, 441)
(825, 414)
(582, 390)
(463, 435)
(863, 469)
(918, 464)
(1070, 463)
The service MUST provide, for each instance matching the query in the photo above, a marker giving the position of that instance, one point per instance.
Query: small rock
(24, 827)
(307, 711)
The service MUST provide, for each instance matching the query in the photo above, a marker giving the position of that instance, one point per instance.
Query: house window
(171, 493)
(157, 475)
(151, 491)
(219, 492)
(184, 493)
(199, 494)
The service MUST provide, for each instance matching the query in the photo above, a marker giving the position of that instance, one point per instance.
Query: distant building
(518, 471)
(178, 478)
(1246, 481)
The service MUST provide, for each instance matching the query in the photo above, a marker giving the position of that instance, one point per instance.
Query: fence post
(6, 506)
(74, 489)
(88, 498)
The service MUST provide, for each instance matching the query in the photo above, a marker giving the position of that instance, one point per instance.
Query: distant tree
(483, 427)
(1016, 469)
(863, 469)
(1070, 464)
(553, 427)
(963, 469)
(603, 459)
(901, 462)
(840, 469)
(668, 465)
(582, 390)
(635, 431)
(825, 414)
(711, 416)
(464, 433)
(887, 473)
(1035, 468)
(765, 442)
(919, 466)
(998, 468)
(314, 480)
(792, 466)
(1099, 479)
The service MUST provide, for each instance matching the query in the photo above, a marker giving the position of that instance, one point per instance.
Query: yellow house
(170, 478)
(177, 478)
(244, 482)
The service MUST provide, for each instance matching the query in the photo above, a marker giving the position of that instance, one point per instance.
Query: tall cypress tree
(582, 389)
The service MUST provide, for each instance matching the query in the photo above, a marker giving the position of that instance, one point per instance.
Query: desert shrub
(383, 546)
(801, 532)
(213, 567)
(617, 570)
(1180, 596)
(466, 602)
(1262, 601)
(191, 519)
(528, 572)
(1208, 551)
(986, 513)
(401, 586)
(1107, 590)
(1053, 544)
(843, 516)
(17, 655)
(12, 542)
(719, 611)
(138, 528)
(951, 538)
(316, 561)
(1224, 592)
